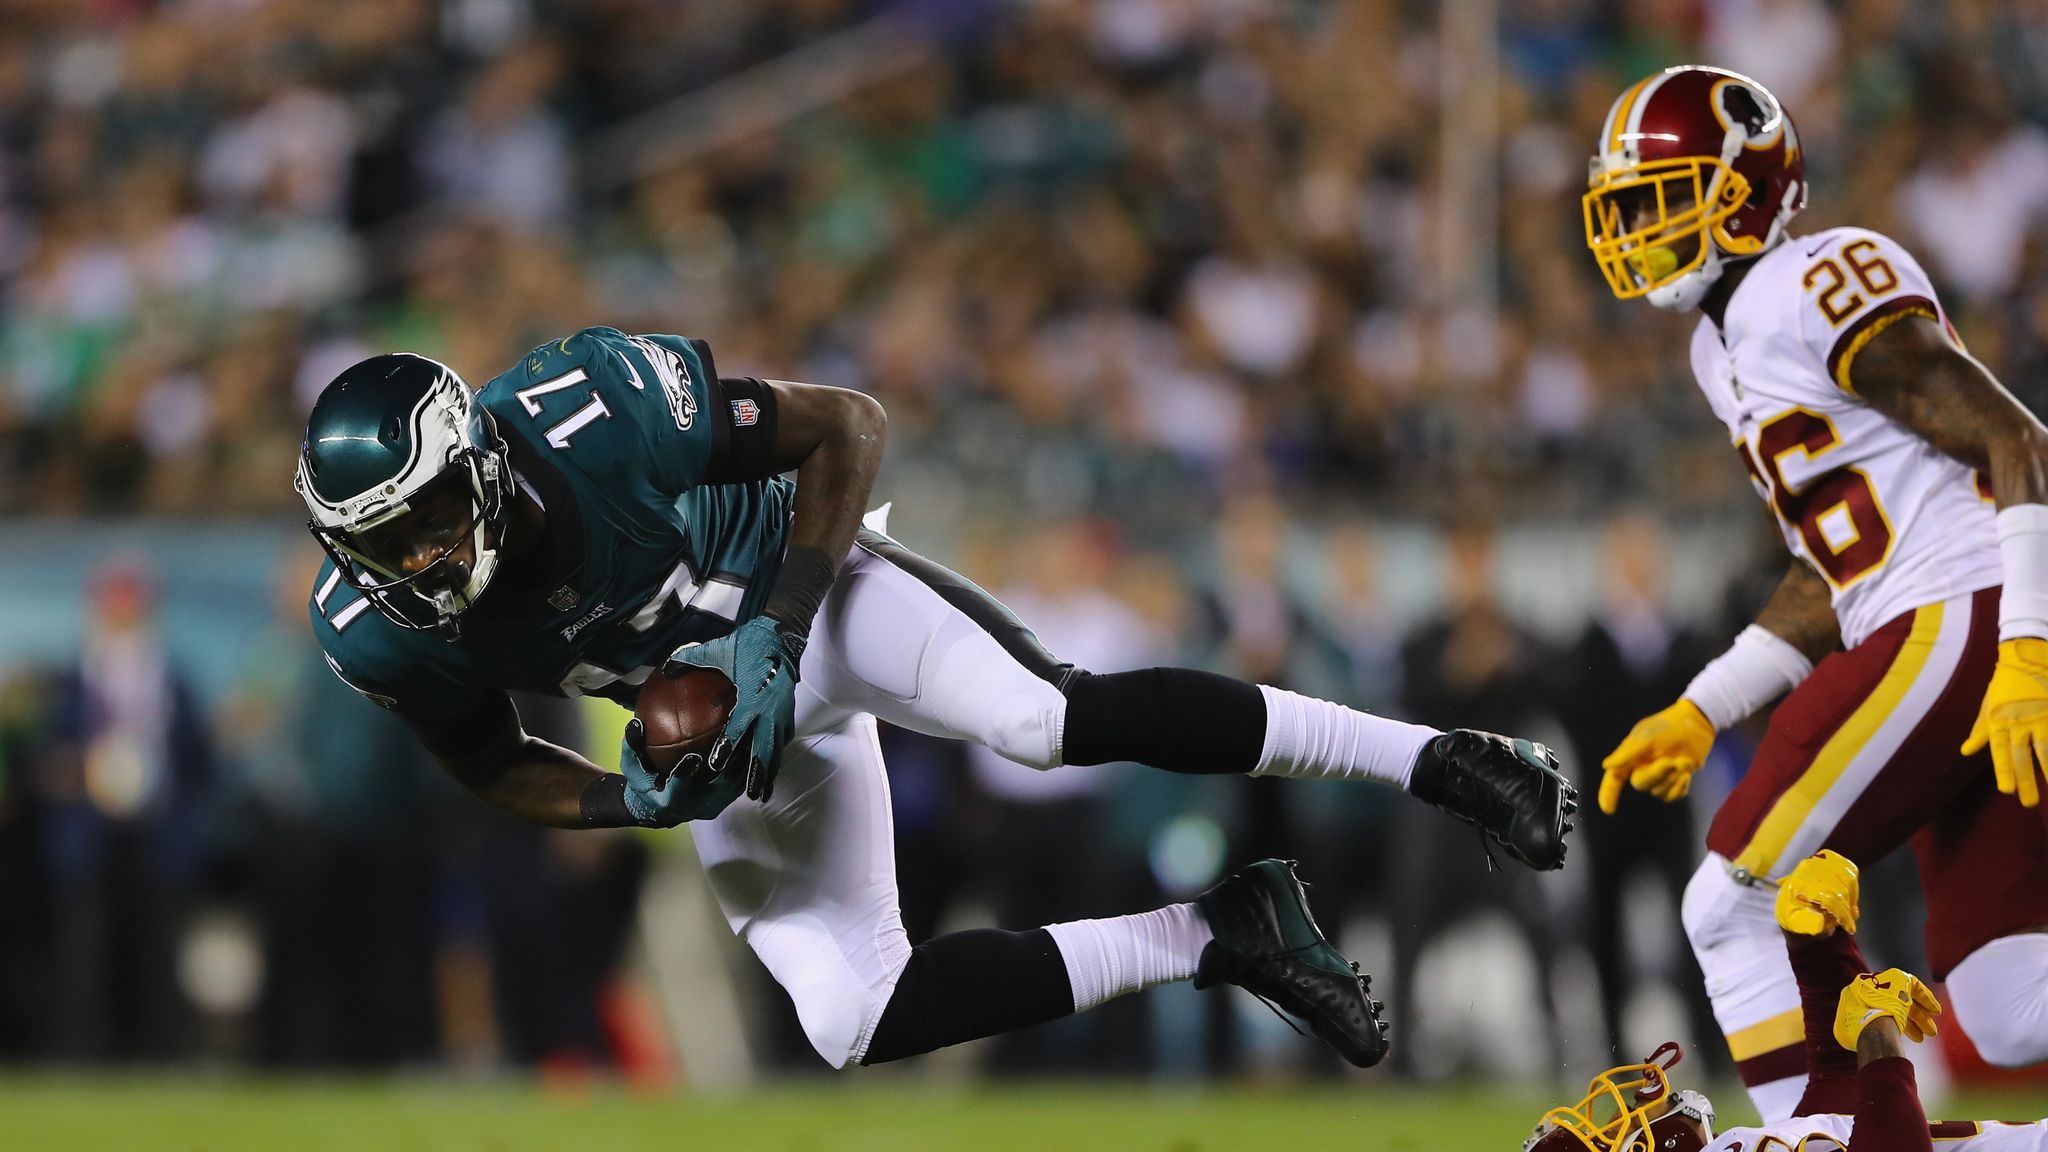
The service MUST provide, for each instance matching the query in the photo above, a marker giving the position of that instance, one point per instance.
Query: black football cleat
(1268, 944)
(1509, 789)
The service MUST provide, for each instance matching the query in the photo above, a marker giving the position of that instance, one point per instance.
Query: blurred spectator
(345, 880)
(25, 971)
(1472, 667)
(1788, 45)
(1982, 187)
(126, 782)
(501, 152)
(1359, 621)
(1044, 855)
(1630, 661)
(559, 912)
(1264, 624)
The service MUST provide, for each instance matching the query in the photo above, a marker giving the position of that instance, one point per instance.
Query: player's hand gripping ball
(1822, 894)
(677, 721)
(1658, 756)
(2014, 720)
(1893, 993)
(761, 659)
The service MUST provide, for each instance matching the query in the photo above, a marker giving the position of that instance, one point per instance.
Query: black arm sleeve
(744, 411)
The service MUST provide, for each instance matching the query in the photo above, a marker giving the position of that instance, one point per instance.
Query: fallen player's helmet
(1632, 1108)
(1695, 166)
(400, 467)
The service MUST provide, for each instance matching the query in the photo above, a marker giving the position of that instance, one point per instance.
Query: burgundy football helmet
(1632, 1108)
(1695, 166)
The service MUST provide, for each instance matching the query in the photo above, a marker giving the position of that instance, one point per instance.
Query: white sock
(1314, 739)
(1107, 958)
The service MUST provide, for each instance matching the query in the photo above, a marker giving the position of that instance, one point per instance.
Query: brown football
(682, 714)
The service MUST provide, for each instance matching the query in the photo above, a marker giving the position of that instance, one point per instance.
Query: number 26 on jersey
(1836, 514)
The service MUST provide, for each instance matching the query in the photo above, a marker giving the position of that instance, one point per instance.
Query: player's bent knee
(838, 998)
(1735, 938)
(832, 1022)
(1025, 726)
(2000, 996)
(1715, 907)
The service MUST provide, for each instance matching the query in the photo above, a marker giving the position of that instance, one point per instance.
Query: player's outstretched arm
(527, 777)
(1771, 657)
(1912, 372)
(1889, 1117)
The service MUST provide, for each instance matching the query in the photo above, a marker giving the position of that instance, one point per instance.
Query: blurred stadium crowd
(1140, 281)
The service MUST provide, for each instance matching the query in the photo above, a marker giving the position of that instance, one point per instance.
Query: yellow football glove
(1821, 895)
(1892, 993)
(1659, 755)
(2014, 719)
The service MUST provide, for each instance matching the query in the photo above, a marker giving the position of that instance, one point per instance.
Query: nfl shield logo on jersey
(745, 413)
(563, 599)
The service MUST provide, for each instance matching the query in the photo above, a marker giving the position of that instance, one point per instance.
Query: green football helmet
(401, 466)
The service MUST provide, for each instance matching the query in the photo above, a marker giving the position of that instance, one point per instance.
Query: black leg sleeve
(968, 985)
(1172, 718)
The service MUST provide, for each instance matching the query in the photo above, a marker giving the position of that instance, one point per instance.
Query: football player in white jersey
(1910, 488)
(1859, 1093)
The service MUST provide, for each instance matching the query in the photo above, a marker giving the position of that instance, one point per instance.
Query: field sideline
(77, 1114)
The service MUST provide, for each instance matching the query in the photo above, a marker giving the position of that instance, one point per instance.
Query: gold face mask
(1619, 1105)
(1649, 224)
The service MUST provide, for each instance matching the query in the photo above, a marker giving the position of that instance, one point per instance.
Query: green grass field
(62, 1115)
(45, 1114)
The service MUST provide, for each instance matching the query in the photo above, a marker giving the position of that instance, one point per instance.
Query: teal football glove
(761, 659)
(690, 792)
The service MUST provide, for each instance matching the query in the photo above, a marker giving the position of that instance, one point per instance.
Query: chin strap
(1687, 1102)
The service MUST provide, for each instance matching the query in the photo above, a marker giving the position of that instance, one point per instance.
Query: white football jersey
(1831, 1134)
(1889, 522)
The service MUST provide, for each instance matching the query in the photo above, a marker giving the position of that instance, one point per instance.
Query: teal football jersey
(615, 436)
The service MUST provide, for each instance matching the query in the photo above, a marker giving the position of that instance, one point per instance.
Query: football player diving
(1911, 630)
(1858, 1093)
(610, 509)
